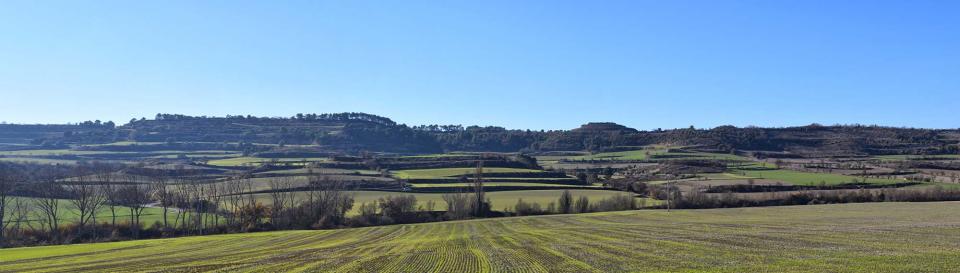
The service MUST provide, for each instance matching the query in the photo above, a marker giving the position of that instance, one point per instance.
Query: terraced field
(253, 161)
(811, 179)
(453, 172)
(915, 157)
(67, 156)
(877, 237)
(655, 154)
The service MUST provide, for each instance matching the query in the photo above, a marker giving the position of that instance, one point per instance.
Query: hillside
(824, 238)
(358, 132)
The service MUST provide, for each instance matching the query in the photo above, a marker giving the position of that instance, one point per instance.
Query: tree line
(353, 132)
(94, 202)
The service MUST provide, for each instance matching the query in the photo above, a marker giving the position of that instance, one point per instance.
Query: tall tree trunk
(113, 213)
(165, 226)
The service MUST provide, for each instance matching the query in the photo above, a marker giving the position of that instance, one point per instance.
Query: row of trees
(52, 200)
(94, 202)
(103, 202)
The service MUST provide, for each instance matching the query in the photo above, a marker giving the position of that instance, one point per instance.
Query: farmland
(500, 200)
(254, 161)
(811, 179)
(453, 172)
(824, 238)
(68, 214)
(651, 153)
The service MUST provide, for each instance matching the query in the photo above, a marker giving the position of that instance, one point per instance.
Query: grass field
(305, 171)
(68, 214)
(500, 200)
(659, 153)
(811, 179)
(440, 155)
(877, 237)
(44, 156)
(496, 184)
(452, 172)
(245, 160)
(40, 160)
(908, 157)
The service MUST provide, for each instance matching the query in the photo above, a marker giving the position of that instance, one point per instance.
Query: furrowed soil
(875, 237)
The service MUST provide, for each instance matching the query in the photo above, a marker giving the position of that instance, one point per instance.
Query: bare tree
(479, 206)
(162, 195)
(6, 187)
(199, 204)
(214, 197)
(459, 205)
(282, 196)
(48, 206)
(582, 205)
(108, 188)
(565, 202)
(20, 214)
(233, 189)
(136, 197)
(85, 197)
(181, 202)
(327, 202)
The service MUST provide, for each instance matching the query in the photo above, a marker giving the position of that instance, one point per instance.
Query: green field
(61, 152)
(50, 152)
(453, 172)
(438, 156)
(245, 160)
(500, 200)
(39, 160)
(876, 237)
(50, 156)
(659, 153)
(497, 184)
(305, 171)
(909, 157)
(68, 214)
(811, 179)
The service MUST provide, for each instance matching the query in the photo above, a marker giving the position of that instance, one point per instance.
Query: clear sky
(519, 64)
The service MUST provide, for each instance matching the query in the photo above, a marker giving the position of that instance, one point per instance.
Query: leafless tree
(135, 195)
(582, 205)
(565, 202)
(282, 196)
(199, 204)
(108, 188)
(6, 187)
(214, 197)
(85, 197)
(48, 206)
(479, 206)
(19, 215)
(458, 205)
(162, 194)
(327, 202)
(181, 201)
(233, 189)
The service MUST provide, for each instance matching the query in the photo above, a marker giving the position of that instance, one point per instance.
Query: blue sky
(519, 64)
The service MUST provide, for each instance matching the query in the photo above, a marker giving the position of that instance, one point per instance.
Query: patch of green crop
(811, 179)
(246, 160)
(653, 153)
(68, 214)
(916, 157)
(453, 172)
(500, 200)
(873, 237)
